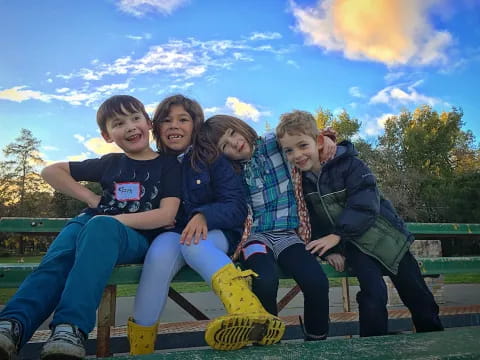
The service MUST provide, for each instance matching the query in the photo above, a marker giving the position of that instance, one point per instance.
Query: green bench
(461, 343)
(11, 275)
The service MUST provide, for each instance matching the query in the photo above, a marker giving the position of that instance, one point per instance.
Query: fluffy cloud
(393, 32)
(393, 95)
(242, 110)
(99, 146)
(355, 92)
(139, 8)
(21, 93)
(374, 127)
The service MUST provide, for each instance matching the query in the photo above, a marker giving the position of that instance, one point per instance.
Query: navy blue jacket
(345, 200)
(216, 191)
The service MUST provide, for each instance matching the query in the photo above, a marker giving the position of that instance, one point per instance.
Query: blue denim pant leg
(416, 295)
(103, 243)
(372, 297)
(39, 294)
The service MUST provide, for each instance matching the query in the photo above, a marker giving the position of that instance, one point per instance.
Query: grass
(186, 287)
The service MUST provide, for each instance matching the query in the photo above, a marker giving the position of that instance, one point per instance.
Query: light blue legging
(165, 257)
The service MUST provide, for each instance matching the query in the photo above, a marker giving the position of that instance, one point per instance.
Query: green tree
(343, 123)
(23, 190)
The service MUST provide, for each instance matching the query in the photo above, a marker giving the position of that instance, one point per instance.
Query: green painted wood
(32, 225)
(451, 344)
(12, 275)
(52, 225)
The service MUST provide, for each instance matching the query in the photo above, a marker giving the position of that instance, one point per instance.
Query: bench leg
(106, 319)
(288, 297)
(346, 294)
(186, 305)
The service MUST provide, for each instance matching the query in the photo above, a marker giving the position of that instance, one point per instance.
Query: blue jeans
(372, 298)
(73, 273)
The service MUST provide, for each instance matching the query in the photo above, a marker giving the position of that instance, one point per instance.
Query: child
(346, 208)
(140, 193)
(208, 226)
(271, 236)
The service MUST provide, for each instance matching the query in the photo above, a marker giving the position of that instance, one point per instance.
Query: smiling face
(235, 146)
(130, 131)
(302, 151)
(176, 129)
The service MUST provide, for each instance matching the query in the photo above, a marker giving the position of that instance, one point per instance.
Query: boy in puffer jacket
(346, 209)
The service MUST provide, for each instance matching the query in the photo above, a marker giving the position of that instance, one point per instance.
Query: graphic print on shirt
(130, 193)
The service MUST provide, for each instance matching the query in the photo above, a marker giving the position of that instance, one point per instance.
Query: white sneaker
(10, 333)
(67, 342)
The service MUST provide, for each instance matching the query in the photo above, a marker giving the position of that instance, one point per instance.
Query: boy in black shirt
(140, 194)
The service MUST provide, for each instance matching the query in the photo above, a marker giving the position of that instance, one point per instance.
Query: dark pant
(306, 271)
(372, 298)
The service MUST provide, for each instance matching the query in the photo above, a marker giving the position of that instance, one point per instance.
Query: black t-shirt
(128, 185)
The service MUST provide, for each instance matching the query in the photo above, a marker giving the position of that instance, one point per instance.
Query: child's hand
(337, 261)
(329, 149)
(94, 201)
(195, 229)
(322, 245)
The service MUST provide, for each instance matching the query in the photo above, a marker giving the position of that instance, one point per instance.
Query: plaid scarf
(303, 230)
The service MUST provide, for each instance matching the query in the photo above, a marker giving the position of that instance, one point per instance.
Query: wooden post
(106, 318)
(346, 294)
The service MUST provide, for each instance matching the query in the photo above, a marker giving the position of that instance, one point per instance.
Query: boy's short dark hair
(297, 122)
(118, 105)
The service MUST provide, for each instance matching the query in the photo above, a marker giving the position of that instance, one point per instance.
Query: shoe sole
(233, 332)
(61, 357)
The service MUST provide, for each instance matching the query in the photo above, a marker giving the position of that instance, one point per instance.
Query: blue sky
(253, 59)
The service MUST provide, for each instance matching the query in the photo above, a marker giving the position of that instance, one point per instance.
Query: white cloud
(374, 127)
(211, 110)
(394, 95)
(99, 146)
(355, 92)
(81, 157)
(242, 109)
(50, 148)
(265, 36)
(146, 36)
(182, 86)
(293, 63)
(49, 80)
(393, 32)
(21, 93)
(62, 90)
(79, 138)
(139, 8)
(393, 76)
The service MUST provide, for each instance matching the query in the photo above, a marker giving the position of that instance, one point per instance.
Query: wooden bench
(461, 343)
(11, 275)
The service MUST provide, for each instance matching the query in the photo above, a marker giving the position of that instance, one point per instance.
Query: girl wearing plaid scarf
(277, 227)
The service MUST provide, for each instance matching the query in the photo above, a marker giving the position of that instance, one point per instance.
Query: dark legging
(306, 271)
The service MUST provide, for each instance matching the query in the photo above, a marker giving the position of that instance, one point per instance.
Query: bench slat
(11, 275)
(53, 225)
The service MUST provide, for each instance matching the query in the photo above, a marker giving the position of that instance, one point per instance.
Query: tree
(343, 123)
(21, 184)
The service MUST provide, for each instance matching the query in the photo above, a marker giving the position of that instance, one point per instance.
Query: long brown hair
(195, 111)
(216, 126)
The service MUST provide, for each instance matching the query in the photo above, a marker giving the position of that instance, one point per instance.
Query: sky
(254, 59)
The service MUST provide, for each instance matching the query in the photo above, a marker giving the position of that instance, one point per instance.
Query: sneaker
(10, 334)
(67, 342)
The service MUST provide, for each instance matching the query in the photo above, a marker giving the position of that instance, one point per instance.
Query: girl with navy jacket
(208, 227)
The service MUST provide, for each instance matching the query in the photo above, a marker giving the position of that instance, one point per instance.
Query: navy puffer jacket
(345, 200)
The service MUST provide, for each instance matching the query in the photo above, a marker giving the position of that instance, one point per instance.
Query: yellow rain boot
(141, 338)
(247, 321)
